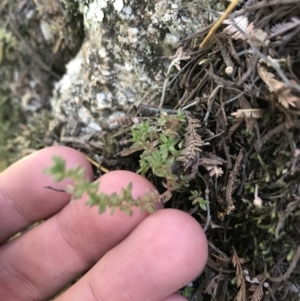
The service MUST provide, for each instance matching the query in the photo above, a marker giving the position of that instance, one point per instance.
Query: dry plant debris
(241, 148)
(237, 146)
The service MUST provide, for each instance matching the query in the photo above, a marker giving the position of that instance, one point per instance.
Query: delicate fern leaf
(241, 23)
(193, 141)
(260, 37)
(232, 177)
(258, 292)
(214, 170)
(248, 113)
(284, 95)
(286, 99)
(237, 263)
(240, 29)
(214, 160)
(281, 28)
(226, 56)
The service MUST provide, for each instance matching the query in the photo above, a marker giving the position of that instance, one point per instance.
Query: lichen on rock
(125, 55)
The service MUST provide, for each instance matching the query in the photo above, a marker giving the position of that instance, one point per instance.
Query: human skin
(139, 258)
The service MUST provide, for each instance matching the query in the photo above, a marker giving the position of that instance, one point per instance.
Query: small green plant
(7, 43)
(187, 291)
(123, 201)
(160, 143)
(197, 199)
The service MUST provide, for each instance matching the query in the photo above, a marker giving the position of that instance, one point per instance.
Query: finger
(165, 252)
(175, 297)
(45, 259)
(23, 197)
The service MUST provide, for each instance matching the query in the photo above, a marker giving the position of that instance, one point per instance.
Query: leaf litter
(241, 148)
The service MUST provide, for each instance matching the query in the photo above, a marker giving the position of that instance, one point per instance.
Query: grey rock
(125, 56)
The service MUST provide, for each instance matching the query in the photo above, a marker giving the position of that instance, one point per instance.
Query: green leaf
(57, 170)
(144, 167)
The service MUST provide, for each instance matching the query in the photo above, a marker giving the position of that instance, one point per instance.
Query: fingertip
(175, 297)
(185, 235)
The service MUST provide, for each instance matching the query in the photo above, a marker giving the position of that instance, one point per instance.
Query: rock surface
(124, 57)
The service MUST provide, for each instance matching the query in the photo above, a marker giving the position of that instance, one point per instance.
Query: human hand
(139, 258)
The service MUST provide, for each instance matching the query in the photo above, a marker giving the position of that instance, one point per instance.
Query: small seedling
(198, 200)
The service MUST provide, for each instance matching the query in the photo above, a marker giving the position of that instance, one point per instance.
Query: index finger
(23, 196)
